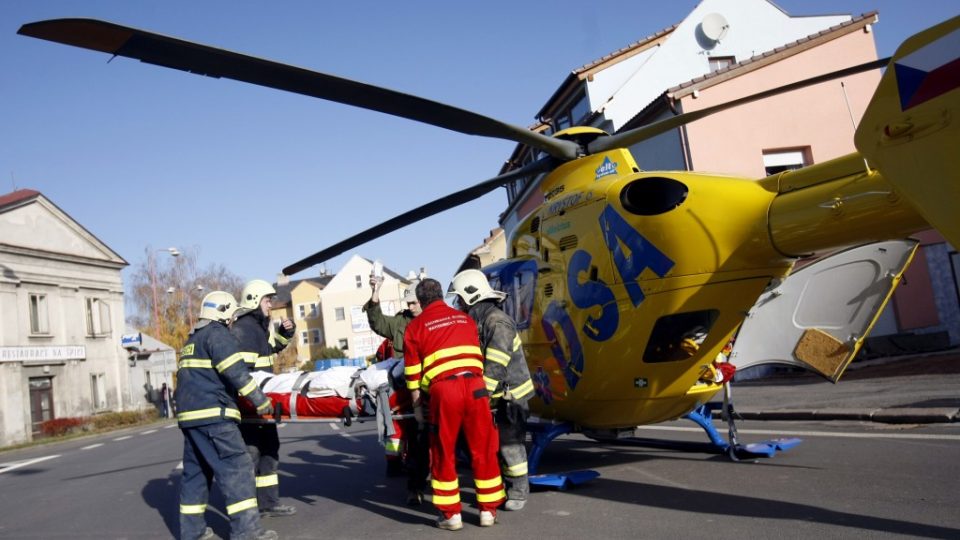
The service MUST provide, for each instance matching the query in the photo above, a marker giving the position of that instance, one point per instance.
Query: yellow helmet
(218, 306)
(253, 292)
(472, 286)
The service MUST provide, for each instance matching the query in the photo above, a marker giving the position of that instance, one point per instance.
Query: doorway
(41, 402)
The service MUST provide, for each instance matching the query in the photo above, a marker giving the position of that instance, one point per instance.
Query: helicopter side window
(678, 337)
(524, 283)
(518, 281)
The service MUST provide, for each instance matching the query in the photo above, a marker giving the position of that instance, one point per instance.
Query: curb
(941, 415)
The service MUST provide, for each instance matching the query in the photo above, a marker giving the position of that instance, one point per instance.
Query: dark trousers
(511, 422)
(263, 445)
(216, 450)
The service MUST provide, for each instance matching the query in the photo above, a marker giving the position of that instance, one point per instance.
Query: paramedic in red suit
(443, 367)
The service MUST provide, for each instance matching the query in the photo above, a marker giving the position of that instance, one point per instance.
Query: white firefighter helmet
(253, 292)
(218, 306)
(472, 286)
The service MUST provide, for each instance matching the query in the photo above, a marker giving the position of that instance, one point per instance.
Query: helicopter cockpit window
(679, 336)
(519, 281)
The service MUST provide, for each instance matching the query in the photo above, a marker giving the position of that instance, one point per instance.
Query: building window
(304, 340)
(338, 313)
(315, 336)
(776, 161)
(343, 344)
(39, 322)
(98, 391)
(302, 311)
(717, 63)
(359, 282)
(98, 317)
(580, 110)
(314, 311)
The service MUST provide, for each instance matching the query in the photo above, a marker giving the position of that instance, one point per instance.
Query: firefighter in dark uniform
(505, 374)
(260, 347)
(210, 374)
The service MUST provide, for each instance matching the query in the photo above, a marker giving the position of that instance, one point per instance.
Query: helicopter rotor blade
(201, 59)
(642, 133)
(421, 212)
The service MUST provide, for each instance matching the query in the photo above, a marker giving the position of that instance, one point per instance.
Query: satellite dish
(714, 26)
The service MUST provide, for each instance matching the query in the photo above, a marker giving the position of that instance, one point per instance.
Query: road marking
(334, 427)
(92, 446)
(349, 437)
(841, 434)
(170, 426)
(123, 438)
(179, 466)
(5, 467)
(149, 432)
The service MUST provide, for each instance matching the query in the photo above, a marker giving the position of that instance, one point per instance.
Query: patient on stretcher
(342, 391)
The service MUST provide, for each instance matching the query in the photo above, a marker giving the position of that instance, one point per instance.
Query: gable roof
(753, 63)
(89, 249)
(586, 71)
(283, 291)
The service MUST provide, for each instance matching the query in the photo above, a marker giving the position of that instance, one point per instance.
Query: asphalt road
(845, 480)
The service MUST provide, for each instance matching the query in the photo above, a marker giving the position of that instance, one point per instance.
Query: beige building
(61, 318)
(299, 301)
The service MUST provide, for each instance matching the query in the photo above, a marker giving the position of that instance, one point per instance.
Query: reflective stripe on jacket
(210, 373)
(439, 342)
(505, 367)
(258, 345)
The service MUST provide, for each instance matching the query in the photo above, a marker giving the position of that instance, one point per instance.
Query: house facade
(345, 323)
(61, 318)
(724, 50)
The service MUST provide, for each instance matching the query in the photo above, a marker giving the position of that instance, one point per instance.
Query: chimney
(282, 279)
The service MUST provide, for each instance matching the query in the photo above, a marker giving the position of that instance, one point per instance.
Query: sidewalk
(903, 390)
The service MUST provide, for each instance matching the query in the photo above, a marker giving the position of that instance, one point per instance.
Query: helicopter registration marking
(640, 255)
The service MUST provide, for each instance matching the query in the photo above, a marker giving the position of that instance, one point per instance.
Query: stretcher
(345, 393)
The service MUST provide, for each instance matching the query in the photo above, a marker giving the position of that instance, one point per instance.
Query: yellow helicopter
(628, 284)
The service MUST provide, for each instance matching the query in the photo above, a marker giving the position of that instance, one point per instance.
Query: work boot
(452, 523)
(515, 504)
(279, 510)
(207, 534)
(414, 498)
(260, 534)
(488, 518)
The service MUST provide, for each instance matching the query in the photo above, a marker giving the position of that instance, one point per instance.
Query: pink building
(724, 50)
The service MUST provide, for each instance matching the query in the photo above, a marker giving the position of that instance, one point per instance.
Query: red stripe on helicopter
(929, 72)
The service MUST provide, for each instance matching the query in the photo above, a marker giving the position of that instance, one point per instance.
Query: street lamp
(152, 270)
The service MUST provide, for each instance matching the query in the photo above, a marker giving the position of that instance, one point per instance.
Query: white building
(345, 323)
(152, 363)
(61, 316)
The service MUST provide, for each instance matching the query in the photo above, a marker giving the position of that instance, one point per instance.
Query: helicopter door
(818, 317)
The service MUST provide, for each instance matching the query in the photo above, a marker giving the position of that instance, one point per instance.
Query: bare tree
(166, 292)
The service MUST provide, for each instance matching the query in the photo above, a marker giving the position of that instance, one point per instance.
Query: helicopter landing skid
(702, 416)
(542, 435)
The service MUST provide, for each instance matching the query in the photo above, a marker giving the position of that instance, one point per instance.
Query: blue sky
(257, 179)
